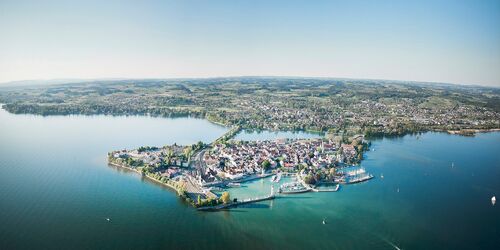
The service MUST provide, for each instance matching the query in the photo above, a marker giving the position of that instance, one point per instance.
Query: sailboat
(493, 200)
(324, 222)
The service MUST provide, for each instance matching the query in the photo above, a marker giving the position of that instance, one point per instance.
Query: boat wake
(392, 244)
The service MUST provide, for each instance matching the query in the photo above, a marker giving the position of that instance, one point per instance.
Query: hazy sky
(445, 41)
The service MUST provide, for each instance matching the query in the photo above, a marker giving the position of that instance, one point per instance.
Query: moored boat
(360, 178)
(273, 178)
(233, 184)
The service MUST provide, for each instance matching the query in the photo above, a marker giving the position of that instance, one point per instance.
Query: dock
(235, 204)
(335, 189)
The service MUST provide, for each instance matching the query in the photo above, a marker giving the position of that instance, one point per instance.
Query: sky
(437, 41)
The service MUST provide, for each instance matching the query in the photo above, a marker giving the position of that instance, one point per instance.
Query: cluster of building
(384, 116)
(167, 160)
(406, 110)
(240, 159)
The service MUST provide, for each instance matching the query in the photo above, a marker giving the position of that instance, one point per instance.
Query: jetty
(335, 189)
(237, 203)
(360, 178)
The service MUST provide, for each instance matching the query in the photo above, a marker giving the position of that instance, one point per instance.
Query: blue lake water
(56, 191)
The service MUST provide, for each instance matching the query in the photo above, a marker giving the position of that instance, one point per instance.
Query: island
(196, 171)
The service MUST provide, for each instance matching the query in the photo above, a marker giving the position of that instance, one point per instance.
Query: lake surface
(56, 191)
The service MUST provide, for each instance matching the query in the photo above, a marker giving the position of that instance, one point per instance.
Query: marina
(293, 188)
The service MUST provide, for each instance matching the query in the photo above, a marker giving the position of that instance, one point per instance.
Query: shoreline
(143, 175)
(463, 131)
(472, 132)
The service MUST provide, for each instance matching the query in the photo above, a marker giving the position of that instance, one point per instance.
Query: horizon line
(83, 80)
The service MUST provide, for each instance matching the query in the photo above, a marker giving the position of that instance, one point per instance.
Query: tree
(187, 152)
(199, 200)
(266, 165)
(332, 171)
(317, 177)
(225, 197)
(309, 179)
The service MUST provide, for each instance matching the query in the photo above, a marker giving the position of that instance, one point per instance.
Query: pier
(235, 204)
(335, 189)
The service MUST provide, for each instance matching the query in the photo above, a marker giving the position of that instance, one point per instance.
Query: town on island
(201, 173)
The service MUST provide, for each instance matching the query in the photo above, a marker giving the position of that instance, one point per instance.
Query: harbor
(281, 185)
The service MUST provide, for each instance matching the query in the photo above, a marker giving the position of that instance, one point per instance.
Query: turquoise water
(56, 191)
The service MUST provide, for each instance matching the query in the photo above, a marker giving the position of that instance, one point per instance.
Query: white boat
(273, 178)
(493, 200)
(360, 178)
(233, 184)
(355, 172)
(278, 178)
(213, 189)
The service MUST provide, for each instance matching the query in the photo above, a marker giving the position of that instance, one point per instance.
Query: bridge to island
(228, 135)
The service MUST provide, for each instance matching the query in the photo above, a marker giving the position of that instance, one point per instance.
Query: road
(198, 163)
(193, 189)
